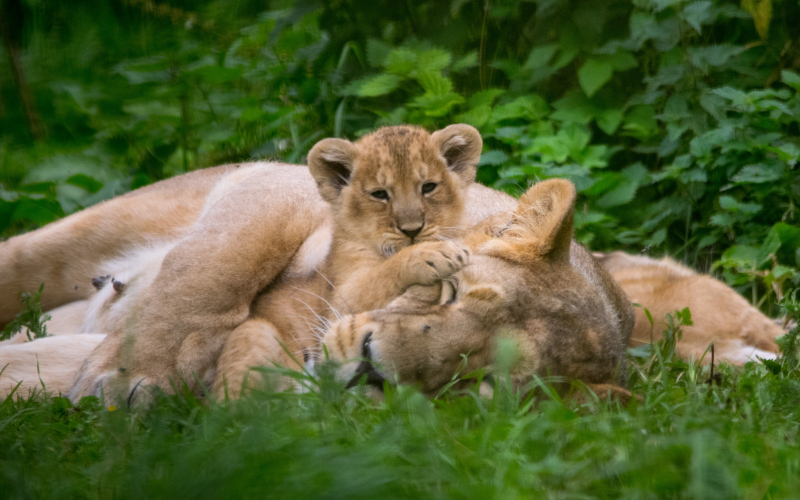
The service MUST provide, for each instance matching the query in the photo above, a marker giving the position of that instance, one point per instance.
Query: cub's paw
(432, 262)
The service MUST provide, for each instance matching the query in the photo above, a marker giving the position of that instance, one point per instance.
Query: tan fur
(247, 238)
(46, 365)
(218, 258)
(380, 246)
(372, 260)
(520, 284)
(738, 330)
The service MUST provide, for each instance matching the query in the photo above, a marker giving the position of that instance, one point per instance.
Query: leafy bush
(677, 120)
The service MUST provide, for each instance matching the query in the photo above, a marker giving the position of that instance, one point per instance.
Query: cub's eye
(428, 187)
(380, 194)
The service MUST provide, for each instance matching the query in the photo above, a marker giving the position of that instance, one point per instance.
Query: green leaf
(540, 56)
(634, 176)
(40, 212)
(728, 203)
(152, 108)
(721, 220)
(609, 120)
(493, 157)
(791, 79)
(37, 187)
(697, 14)
(640, 122)
(574, 107)
(84, 181)
(433, 60)
(373, 86)
(623, 61)
(468, 61)
(594, 74)
(484, 97)
(477, 117)
(401, 61)
(434, 83)
(217, 74)
(771, 245)
(779, 272)
(743, 257)
(377, 52)
(628, 237)
(759, 173)
(530, 108)
(437, 104)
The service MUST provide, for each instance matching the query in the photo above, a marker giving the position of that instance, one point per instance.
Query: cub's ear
(461, 146)
(541, 226)
(331, 162)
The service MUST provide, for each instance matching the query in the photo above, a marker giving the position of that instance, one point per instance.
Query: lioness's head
(526, 280)
(399, 185)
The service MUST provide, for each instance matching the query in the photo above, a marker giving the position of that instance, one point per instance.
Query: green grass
(685, 438)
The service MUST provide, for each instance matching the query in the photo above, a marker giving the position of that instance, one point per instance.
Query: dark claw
(118, 285)
(98, 283)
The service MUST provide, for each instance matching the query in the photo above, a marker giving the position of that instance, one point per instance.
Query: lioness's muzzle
(366, 368)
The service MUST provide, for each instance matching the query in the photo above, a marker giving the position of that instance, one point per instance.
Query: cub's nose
(412, 230)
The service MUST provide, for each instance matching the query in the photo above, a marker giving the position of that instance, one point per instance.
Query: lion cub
(397, 200)
(397, 197)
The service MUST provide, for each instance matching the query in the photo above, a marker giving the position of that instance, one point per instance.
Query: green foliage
(676, 120)
(31, 317)
(657, 362)
(790, 343)
(684, 439)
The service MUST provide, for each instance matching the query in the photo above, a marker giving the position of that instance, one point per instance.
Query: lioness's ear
(461, 146)
(331, 162)
(541, 227)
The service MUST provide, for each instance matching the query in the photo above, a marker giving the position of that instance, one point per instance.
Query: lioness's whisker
(349, 309)
(314, 312)
(333, 309)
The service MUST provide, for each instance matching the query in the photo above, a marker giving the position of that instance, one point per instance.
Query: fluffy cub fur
(395, 188)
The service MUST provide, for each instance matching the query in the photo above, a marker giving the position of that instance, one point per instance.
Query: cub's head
(399, 185)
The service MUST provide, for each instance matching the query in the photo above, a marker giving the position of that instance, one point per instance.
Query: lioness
(739, 331)
(526, 281)
(254, 219)
(395, 187)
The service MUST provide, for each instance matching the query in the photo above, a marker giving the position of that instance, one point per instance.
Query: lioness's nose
(412, 230)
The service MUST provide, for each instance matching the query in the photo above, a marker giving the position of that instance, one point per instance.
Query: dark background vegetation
(677, 120)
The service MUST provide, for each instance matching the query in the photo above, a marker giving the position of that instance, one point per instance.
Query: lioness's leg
(47, 364)
(254, 343)
(259, 217)
(64, 255)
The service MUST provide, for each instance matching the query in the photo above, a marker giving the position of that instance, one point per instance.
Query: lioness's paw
(432, 262)
(114, 387)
